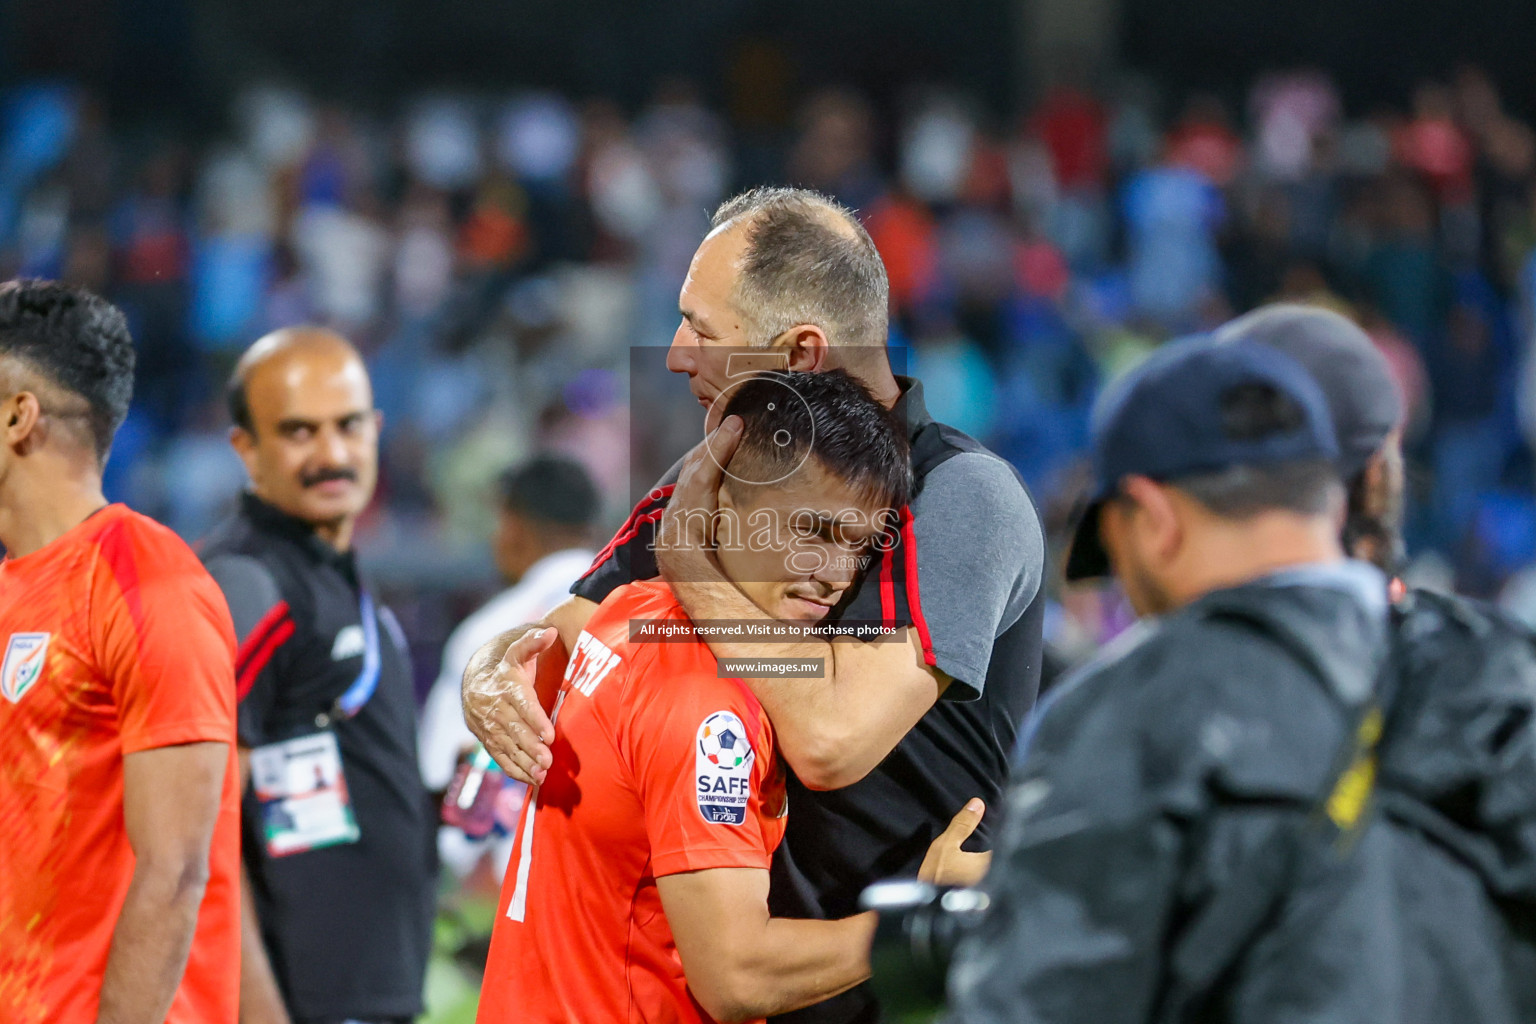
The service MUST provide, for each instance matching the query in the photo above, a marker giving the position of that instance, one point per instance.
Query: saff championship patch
(723, 760)
(23, 665)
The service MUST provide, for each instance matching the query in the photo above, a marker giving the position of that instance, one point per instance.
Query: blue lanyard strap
(367, 681)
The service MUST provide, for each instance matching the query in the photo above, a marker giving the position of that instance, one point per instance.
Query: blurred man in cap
(1367, 410)
(1459, 758)
(1187, 833)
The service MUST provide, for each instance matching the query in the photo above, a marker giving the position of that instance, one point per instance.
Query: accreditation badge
(303, 795)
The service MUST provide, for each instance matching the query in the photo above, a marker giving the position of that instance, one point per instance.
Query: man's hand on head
(685, 545)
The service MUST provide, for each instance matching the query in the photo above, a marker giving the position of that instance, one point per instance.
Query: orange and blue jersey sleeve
(163, 637)
(704, 763)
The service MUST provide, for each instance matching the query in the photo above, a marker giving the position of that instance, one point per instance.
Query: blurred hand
(501, 708)
(947, 864)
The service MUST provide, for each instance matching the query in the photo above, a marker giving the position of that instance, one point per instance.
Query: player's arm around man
(709, 872)
(710, 869)
(760, 966)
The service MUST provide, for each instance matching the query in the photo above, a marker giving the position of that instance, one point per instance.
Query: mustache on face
(321, 476)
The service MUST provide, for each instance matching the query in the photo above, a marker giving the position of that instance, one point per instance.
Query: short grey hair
(808, 260)
(1307, 487)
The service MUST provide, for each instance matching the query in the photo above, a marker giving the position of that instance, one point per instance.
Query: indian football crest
(23, 664)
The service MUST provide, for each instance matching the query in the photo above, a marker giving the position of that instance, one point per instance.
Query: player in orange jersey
(638, 889)
(119, 809)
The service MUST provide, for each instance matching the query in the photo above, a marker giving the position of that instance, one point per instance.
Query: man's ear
(19, 418)
(808, 346)
(1156, 518)
(244, 444)
(724, 499)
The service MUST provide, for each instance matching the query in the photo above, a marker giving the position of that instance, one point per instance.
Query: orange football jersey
(115, 641)
(659, 768)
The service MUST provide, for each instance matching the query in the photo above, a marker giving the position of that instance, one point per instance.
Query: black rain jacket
(1458, 785)
(1165, 855)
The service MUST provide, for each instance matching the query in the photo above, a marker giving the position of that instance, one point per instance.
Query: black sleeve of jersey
(263, 624)
(631, 554)
(627, 562)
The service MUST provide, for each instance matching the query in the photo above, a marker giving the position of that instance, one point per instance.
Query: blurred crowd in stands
(498, 258)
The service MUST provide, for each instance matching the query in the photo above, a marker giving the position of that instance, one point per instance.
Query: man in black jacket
(1458, 771)
(1188, 834)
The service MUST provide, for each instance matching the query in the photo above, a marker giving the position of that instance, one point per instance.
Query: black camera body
(920, 925)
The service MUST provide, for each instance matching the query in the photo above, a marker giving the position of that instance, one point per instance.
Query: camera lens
(920, 924)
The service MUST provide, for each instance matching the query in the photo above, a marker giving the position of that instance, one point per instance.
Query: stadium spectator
(119, 897)
(1171, 215)
(788, 272)
(1159, 786)
(339, 858)
(1380, 215)
(542, 546)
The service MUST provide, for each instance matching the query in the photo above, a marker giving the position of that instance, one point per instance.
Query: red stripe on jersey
(887, 590)
(261, 655)
(258, 634)
(115, 548)
(628, 535)
(914, 599)
(632, 525)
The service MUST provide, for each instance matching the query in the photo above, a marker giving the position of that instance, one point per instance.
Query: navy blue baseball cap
(1168, 419)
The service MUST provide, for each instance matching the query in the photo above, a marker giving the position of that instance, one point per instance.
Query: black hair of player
(851, 435)
(77, 341)
(550, 489)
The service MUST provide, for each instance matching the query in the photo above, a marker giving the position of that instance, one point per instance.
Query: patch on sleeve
(723, 759)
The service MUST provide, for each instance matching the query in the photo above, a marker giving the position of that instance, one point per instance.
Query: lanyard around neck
(367, 681)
